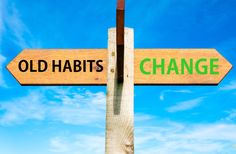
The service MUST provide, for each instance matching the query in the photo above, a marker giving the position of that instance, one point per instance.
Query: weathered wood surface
(60, 78)
(120, 98)
(178, 54)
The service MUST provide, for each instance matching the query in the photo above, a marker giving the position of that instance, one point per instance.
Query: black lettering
(54, 65)
(84, 65)
(91, 64)
(32, 66)
(67, 66)
(99, 66)
(20, 65)
(77, 67)
(42, 63)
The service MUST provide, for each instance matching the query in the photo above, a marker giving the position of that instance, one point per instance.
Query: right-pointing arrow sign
(179, 66)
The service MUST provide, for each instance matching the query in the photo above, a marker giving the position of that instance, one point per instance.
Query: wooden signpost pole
(120, 98)
(120, 88)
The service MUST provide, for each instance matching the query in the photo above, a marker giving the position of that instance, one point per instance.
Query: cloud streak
(163, 93)
(183, 139)
(185, 105)
(230, 86)
(2, 61)
(2, 58)
(17, 31)
(78, 144)
(66, 105)
(1, 22)
(231, 117)
(165, 138)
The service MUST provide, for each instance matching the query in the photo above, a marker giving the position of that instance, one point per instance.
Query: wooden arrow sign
(89, 66)
(60, 67)
(179, 66)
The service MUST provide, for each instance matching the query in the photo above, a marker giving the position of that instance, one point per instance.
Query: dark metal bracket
(120, 31)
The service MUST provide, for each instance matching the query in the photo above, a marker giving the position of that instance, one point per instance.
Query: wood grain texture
(60, 78)
(100, 78)
(120, 98)
(178, 54)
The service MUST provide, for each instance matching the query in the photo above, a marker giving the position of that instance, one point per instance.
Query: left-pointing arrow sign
(60, 67)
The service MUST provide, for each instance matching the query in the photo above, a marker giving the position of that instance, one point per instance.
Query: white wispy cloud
(231, 116)
(229, 86)
(164, 138)
(163, 93)
(2, 61)
(78, 144)
(2, 58)
(16, 29)
(139, 117)
(1, 22)
(185, 139)
(185, 105)
(67, 105)
(181, 138)
(58, 145)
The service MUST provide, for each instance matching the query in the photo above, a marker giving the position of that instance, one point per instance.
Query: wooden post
(120, 97)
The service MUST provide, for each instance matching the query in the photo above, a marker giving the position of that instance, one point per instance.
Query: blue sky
(168, 119)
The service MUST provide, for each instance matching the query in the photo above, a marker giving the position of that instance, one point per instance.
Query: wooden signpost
(120, 67)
